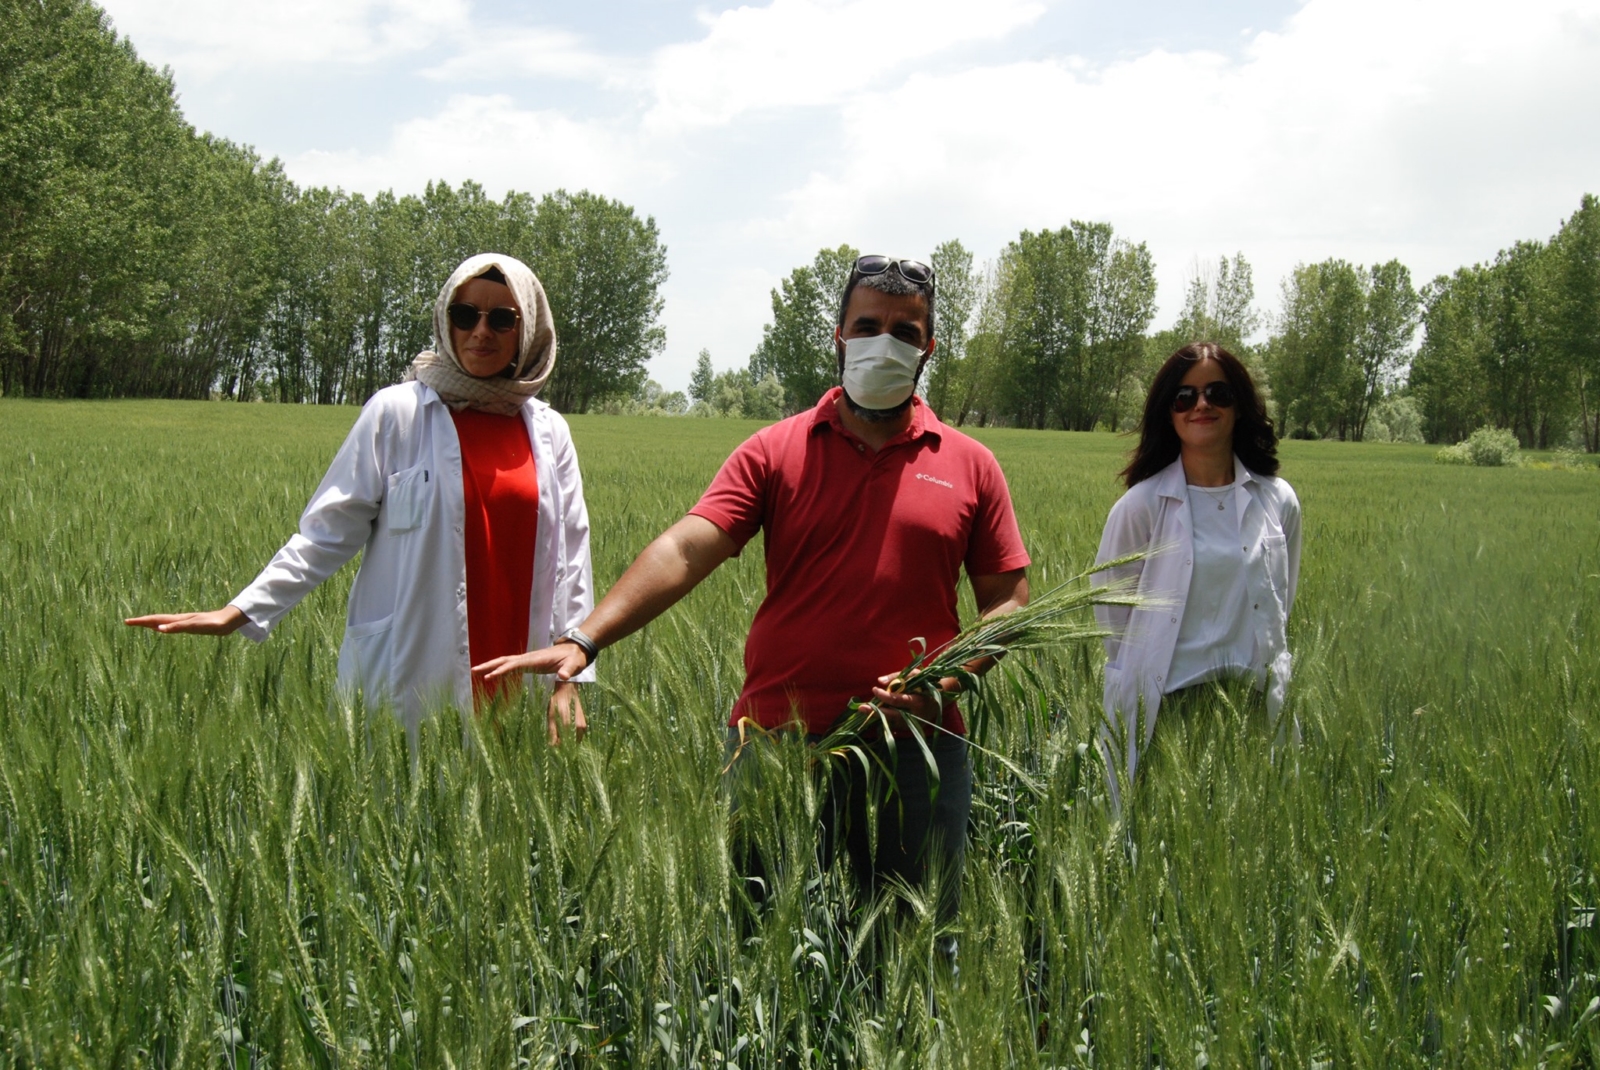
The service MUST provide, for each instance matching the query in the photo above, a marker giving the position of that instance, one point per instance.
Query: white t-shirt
(1217, 636)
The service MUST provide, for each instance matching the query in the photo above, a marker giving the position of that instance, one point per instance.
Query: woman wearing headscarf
(461, 490)
(1223, 530)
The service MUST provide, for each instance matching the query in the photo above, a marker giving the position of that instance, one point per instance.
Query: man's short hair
(889, 282)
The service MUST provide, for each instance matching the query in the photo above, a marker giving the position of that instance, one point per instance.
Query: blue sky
(1436, 131)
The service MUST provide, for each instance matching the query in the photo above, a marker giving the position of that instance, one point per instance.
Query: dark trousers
(920, 822)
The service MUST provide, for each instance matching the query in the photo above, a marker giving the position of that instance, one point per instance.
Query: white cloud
(1432, 130)
(812, 52)
(203, 37)
(536, 52)
(490, 140)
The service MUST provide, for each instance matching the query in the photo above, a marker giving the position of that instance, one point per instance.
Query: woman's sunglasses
(465, 317)
(1218, 393)
(910, 270)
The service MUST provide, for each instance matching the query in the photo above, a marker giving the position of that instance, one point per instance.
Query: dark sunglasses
(1218, 393)
(464, 317)
(910, 270)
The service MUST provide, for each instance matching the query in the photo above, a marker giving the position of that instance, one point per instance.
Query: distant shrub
(1396, 419)
(1567, 459)
(1489, 447)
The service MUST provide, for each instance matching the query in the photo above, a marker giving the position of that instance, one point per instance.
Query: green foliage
(797, 346)
(1217, 307)
(1073, 305)
(116, 220)
(139, 258)
(1577, 315)
(1311, 360)
(1395, 419)
(1487, 447)
(955, 297)
(1344, 337)
(651, 399)
(1383, 347)
(207, 858)
(1513, 343)
(1447, 376)
(740, 395)
(603, 268)
(701, 380)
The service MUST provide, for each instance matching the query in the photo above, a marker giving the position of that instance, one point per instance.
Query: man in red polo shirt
(871, 508)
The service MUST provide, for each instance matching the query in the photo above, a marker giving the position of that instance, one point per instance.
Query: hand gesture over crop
(564, 660)
(224, 621)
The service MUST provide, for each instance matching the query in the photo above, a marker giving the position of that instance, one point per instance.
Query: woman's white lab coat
(1153, 514)
(395, 492)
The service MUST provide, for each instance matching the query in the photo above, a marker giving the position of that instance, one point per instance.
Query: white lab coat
(395, 492)
(1152, 514)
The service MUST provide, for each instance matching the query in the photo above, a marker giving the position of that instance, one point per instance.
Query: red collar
(923, 420)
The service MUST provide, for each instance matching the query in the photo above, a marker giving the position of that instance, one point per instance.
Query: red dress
(501, 487)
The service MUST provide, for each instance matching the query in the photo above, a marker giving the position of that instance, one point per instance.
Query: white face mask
(880, 372)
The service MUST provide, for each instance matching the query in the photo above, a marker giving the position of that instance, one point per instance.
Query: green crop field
(205, 859)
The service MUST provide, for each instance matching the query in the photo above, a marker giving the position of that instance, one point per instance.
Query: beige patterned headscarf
(503, 394)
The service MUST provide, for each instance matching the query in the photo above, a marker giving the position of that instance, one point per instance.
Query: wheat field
(207, 859)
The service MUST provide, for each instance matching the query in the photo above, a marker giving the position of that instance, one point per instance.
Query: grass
(205, 860)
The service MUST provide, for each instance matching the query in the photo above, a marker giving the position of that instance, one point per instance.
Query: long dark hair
(1254, 439)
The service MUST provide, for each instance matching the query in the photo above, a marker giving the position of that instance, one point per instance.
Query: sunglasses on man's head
(465, 317)
(1217, 392)
(910, 270)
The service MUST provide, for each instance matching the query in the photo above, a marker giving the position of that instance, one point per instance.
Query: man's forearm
(997, 596)
(667, 569)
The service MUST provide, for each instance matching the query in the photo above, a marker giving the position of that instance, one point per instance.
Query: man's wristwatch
(590, 649)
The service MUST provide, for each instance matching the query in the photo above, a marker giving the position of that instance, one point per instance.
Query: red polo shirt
(864, 551)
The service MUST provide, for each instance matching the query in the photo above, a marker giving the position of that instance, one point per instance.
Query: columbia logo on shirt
(935, 479)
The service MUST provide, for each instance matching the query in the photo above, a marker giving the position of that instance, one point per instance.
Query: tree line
(1055, 333)
(141, 258)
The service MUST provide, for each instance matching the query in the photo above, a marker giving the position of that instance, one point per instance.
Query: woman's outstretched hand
(564, 661)
(224, 621)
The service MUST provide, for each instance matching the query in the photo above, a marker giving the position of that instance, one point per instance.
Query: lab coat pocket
(365, 655)
(1275, 548)
(406, 501)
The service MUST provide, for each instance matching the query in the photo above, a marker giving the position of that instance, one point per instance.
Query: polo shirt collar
(923, 420)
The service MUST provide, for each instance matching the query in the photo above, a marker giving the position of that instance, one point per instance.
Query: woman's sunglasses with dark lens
(910, 270)
(1217, 392)
(464, 317)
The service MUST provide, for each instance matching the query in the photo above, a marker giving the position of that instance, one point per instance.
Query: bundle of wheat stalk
(1058, 617)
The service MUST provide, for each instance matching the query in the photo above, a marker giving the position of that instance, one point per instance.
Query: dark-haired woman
(461, 490)
(1204, 496)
